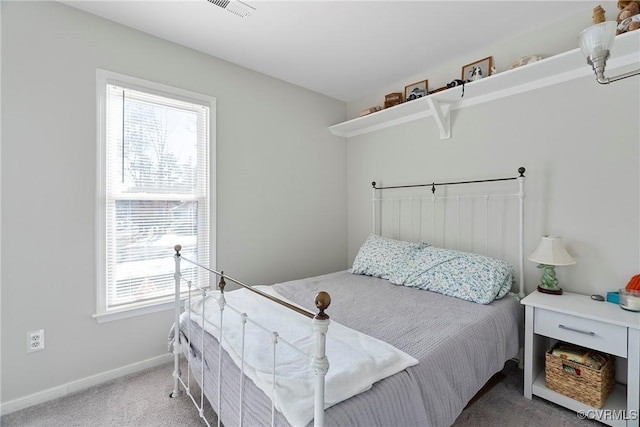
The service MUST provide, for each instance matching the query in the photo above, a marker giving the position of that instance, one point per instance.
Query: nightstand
(597, 325)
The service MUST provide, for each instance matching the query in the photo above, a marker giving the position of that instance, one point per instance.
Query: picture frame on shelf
(416, 90)
(477, 70)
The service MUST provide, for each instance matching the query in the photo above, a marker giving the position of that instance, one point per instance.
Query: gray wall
(281, 177)
(578, 140)
(582, 171)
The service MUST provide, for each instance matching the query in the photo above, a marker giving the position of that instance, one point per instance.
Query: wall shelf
(546, 72)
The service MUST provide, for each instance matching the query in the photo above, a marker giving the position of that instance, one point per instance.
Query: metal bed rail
(318, 361)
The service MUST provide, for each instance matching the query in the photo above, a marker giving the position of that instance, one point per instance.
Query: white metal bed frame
(318, 362)
(415, 203)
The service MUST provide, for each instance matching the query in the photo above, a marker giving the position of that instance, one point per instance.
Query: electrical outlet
(35, 341)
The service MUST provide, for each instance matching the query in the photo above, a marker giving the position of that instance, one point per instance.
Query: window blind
(157, 192)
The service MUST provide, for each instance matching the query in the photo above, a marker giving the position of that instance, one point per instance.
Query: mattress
(459, 345)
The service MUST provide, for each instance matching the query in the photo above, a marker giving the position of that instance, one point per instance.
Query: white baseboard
(81, 384)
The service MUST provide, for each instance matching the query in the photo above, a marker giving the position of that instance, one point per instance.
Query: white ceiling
(344, 49)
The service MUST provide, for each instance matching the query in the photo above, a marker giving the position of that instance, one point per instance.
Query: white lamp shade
(551, 251)
(597, 37)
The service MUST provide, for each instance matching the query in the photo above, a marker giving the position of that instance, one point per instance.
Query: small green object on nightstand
(548, 281)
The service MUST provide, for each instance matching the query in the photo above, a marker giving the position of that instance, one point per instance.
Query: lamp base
(550, 291)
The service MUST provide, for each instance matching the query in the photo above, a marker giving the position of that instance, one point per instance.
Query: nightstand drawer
(588, 333)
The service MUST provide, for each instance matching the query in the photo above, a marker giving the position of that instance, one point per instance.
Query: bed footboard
(318, 360)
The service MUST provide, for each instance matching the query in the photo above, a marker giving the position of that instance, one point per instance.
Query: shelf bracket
(442, 117)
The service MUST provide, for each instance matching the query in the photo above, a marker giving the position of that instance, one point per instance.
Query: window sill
(126, 313)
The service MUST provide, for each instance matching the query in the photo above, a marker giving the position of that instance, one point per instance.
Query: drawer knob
(577, 330)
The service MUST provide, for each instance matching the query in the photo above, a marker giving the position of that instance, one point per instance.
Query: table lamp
(549, 253)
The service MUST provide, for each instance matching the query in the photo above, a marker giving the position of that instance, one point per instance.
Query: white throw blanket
(356, 360)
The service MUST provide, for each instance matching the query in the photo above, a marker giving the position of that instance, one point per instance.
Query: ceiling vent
(234, 6)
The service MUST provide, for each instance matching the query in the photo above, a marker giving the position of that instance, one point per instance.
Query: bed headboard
(484, 216)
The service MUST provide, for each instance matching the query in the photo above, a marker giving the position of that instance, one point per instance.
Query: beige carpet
(142, 400)
(505, 405)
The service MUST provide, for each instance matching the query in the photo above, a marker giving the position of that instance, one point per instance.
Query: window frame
(103, 78)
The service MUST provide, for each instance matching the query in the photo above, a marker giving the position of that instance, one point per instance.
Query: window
(154, 190)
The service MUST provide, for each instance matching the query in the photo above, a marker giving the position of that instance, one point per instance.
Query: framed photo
(415, 90)
(477, 70)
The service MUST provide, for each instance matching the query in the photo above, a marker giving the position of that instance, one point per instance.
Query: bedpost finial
(373, 184)
(221, 282)
(177, 248)
(323, 301)
(521, 171)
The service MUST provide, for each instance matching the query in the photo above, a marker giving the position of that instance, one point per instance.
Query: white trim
(100, 213)
(81, 384)
(139, 310)
(103, 77)
(126, 313)
(0, 198)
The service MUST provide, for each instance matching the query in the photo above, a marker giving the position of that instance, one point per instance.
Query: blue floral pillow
(385, 258)
(463, 275)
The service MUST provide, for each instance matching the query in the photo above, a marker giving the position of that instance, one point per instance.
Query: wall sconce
(595, 42)
(549, 253)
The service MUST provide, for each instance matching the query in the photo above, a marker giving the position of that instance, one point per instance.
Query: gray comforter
(459, 344)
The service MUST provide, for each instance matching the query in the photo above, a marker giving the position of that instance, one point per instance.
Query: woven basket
(580, 382)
